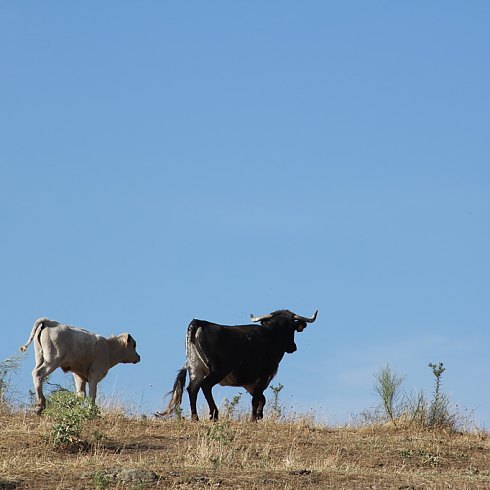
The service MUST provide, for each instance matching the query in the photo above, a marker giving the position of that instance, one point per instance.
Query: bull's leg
(258, 399)
(193, 389)
(38, 374)
(258, 402)
(207, 385)
(213, 409)
(80, 385)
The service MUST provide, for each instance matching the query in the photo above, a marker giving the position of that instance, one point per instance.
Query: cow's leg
(80, 385)
(39, 373)
(92, 386)
(95, 375)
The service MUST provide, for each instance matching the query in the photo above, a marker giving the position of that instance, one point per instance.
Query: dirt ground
(115, 451)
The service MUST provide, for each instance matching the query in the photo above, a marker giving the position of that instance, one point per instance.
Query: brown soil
(120, 452)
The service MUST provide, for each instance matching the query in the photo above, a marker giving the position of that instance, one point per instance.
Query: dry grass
(239, 454)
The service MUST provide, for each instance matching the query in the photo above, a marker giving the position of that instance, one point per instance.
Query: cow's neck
(115, 351)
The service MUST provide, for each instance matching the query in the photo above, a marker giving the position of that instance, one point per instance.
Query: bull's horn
(304, 319)
(260, 318)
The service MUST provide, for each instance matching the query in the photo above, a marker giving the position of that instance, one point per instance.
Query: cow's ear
(126, 338)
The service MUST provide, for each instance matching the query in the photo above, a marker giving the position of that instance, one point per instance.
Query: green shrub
(439, 413)
(221, 431)
(231, 405)
(276, 407)
(388, 388)
(100, 480)
(68, 412)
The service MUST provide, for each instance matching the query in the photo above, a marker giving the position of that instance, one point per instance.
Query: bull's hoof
(38, 410)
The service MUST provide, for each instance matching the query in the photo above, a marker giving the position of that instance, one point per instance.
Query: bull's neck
(280, 340)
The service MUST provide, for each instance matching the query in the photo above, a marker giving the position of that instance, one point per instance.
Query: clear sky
(163, 161)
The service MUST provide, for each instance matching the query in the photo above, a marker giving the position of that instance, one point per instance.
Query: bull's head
(290, 320)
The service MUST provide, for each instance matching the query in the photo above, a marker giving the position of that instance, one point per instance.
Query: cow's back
(72, 348)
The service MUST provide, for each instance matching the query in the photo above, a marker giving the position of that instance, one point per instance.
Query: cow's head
(129, 347)
(287, 323)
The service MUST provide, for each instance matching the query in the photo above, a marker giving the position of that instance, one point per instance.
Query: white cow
(87, 355)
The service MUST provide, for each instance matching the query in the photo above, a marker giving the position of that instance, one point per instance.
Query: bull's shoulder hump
(200, 323)
(204, 323)
(243, 328)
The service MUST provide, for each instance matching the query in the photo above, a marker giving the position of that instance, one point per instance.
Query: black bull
(242, 355)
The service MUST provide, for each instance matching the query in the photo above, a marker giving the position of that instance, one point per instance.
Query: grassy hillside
(114, 451)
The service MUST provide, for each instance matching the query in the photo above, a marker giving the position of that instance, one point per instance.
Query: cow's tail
(38, 324)
(176, 392)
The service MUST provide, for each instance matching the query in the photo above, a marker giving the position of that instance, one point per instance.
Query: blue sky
(161, 162)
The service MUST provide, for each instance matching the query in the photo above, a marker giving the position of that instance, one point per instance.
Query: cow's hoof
(38, 410)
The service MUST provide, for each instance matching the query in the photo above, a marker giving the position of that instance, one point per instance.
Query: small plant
(100, 480)
(220, 431)
(213, 445)
(414, 410)
(230, 406)
(426, 458)
(7, 368)
(388, 388)
(276, 406)
(179, 413)
(439, 414)
(68, 412)
(406, 453)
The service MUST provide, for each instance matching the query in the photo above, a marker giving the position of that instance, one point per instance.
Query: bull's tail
(176, 392)
(38, 324)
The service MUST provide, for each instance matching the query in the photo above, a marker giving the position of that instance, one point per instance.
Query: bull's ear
(300, 326)
(126, 338)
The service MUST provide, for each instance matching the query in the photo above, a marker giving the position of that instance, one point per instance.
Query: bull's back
(241, 349)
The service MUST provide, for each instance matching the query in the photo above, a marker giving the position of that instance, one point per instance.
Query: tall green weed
(415, 408)
(68, 412)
